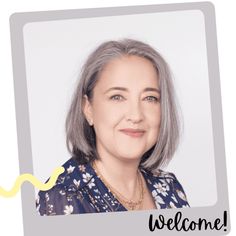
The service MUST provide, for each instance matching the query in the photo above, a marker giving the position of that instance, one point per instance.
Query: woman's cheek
(107, 115)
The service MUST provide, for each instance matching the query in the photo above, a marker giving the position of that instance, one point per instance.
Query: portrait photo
(55, 54)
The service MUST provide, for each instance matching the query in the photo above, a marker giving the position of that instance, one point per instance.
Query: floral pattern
(80, 190)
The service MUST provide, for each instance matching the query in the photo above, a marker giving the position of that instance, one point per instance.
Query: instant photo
(127, 100)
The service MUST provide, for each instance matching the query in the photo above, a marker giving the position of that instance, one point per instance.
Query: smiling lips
(135, 133)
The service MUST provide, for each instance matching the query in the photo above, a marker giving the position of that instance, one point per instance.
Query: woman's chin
(130, 156)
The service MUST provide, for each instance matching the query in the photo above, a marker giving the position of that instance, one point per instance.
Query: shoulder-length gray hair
(81, 141)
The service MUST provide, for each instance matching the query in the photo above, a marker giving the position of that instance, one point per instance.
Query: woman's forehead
(129, 71)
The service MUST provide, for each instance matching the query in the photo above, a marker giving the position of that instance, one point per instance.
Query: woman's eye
(152, 99)
(117, 97)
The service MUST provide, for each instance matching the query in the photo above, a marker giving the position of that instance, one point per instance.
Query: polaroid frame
(120, 222)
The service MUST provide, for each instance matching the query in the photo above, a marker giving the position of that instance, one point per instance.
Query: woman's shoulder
(68, 185)
(160, 174)
(163, 177)
(75, 175)
(73, 172)
(166, 187)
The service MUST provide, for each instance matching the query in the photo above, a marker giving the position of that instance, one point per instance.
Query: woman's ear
(87, 110)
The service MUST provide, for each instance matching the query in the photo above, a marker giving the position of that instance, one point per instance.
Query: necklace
(128, 203)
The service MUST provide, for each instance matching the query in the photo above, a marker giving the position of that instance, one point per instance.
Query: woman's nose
(134, 113)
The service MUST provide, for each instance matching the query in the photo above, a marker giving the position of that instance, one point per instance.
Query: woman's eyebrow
(152, 90)
(149, 89)
(116, 88)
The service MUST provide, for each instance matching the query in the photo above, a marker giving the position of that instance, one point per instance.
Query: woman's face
(125, 108)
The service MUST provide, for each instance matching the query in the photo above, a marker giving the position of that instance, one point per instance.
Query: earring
(90, 122)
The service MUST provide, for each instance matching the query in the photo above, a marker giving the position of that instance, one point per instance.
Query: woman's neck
(121, 174)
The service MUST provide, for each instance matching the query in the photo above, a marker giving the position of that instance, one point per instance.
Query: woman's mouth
(135, 133)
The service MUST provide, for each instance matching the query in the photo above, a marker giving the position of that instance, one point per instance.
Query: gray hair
(81, 141)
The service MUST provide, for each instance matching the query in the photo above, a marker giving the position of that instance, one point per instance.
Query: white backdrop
(11, 208)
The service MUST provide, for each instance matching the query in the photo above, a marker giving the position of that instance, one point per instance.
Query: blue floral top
(80, 190)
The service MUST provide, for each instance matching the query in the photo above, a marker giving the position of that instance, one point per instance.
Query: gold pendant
(131, 205)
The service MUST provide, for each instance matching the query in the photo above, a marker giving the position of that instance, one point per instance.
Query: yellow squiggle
(33, 180)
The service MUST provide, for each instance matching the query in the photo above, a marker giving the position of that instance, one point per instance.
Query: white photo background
(55, 52)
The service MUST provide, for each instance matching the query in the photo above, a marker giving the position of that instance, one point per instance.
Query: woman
(122, 126)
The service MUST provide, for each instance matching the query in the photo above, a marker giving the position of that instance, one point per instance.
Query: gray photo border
(119, 223)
